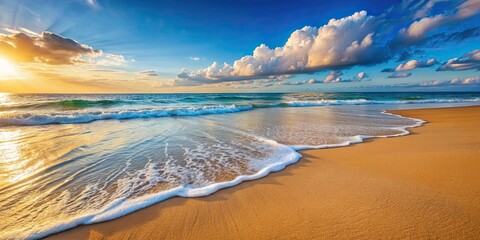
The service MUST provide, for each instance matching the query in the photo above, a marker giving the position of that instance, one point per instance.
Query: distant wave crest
(72, 117)
(85, 117)
(67, 104)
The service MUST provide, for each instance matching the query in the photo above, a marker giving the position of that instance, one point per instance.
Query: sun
(7, 69)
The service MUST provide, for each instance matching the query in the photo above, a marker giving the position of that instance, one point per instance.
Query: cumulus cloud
(280, 77)
(471, 80)
(149, 73)
(400, 75)
(455, 81)
(412, 64)
(468, 61)
(46, 47)
(53, 49)
(419, 29)
(340, 43)
(333, 77)
(355, 40)
(361, 75)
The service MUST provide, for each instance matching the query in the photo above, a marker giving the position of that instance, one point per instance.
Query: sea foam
(86, 117)
(284, 156)
(109, 146)
(75, 117)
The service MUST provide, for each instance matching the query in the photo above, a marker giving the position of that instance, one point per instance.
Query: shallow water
(70, 159)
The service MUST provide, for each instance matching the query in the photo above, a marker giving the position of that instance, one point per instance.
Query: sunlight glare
(7, 69)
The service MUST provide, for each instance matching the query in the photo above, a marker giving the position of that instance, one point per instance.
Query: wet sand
(425, 185)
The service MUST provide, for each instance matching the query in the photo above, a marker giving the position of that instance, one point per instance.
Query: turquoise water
(60, 109)
(68, 160)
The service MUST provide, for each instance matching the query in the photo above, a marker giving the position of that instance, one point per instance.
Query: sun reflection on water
(13, 166)
(9, 153)
(4, 98)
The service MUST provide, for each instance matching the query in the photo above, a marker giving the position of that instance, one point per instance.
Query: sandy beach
(422, 186)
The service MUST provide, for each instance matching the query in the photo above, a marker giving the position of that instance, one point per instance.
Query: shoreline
(233, 212)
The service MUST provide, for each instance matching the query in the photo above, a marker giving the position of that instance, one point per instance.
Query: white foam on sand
(284, 155)
(360, 138)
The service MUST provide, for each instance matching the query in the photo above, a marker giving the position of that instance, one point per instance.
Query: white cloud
(357, 78)
(149, 73)
(196, 58)
(468, 61)
(280, 77)
(425, 9)
(412, 64)
(46, 47)
(108, 59)
(419, 29)
(400, 75)
(355, 40)
(455, 81)
(333, 77)
(26, 46)
(293, 83)
(340, 43)
(361, 75)
(471, 80)
(468, 9)
(92, 3)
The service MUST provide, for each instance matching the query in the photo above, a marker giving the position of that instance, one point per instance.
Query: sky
(110, 46)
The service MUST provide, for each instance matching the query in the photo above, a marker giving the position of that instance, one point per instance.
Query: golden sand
(425, 185)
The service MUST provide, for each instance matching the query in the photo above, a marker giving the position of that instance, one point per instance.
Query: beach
(422, 185)
(239, 120)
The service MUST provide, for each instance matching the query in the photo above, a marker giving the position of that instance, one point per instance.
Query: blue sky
(171, 46)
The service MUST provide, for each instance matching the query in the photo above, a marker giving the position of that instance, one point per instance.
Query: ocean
(67, 160)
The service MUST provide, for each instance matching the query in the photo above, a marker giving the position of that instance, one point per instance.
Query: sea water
(67, 160)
